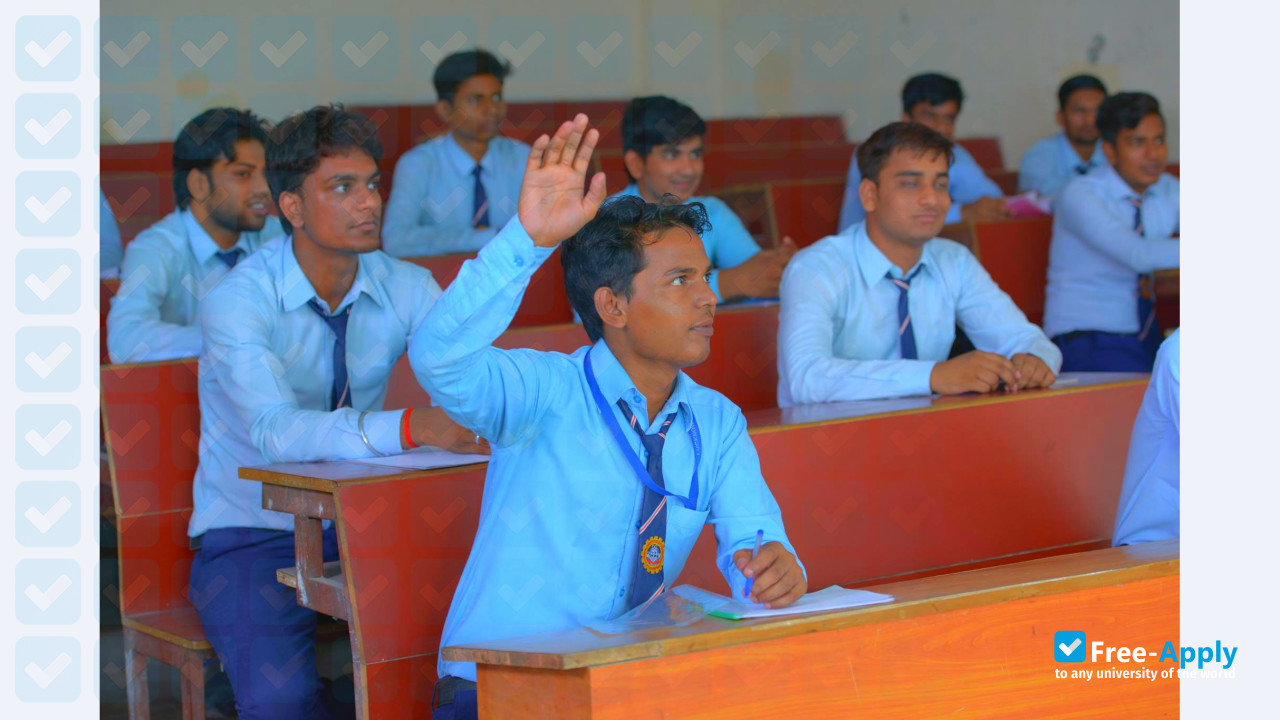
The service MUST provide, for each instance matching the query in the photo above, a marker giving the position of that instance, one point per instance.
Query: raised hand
(552, 204)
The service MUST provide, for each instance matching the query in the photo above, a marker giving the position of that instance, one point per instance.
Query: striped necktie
(906, 336)
(647, 581)
(480, 208)
(338, 395)
(1146, 282)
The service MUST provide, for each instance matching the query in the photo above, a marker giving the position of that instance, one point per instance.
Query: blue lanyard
(611, 421)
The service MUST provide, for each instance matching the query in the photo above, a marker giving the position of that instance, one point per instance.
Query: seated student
(110, 249)
(452, 193)
(1061, 157)
(662, 149)
(1112, 228)
(872, 312)
(1150, 499)
(934, 101)
(221, 219)
(299, 343)
(665, 454)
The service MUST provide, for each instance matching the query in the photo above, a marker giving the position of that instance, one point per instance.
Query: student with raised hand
(662, 142)
(221, 218)
(616, 426)
(299, 343)
(934, 100)
(1150, 499)
(1060, 158)
(1112, 228)
(452, 193)
(872, 312)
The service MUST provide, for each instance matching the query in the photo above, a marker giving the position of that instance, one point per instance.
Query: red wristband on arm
(404, 430)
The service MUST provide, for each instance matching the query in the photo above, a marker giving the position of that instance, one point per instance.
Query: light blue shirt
(110, 249)
(1052, 162)
(267, 369)
(1096, 256)
(167, 271)
(838, 327)
(1150, 497)
(728, 243)
(966, 183)
(432, 201)
(557, 544)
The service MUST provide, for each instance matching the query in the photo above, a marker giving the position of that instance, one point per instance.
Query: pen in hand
(746, 592)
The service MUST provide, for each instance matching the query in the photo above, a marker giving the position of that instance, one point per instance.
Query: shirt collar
(1073, 160)
(1115, 186)
(874, 265)
(202, 245)
(294, 289)
(616, 384)
(462, 161)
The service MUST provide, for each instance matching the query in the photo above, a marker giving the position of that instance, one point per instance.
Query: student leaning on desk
(615, 432)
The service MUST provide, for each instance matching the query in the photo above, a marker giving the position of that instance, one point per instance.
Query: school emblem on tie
(651, 555)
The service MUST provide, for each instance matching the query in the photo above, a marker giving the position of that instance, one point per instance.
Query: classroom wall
(725, 57)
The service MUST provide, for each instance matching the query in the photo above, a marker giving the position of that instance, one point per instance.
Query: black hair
(1078, 82)
(875, 152)
(609, 250)
(462, 66)
(211, 135)
(658, 120)
(931, 88)
(1123, 111)
(297, 144)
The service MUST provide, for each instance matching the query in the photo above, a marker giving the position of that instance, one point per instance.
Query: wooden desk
(868, 490)
(966, 644)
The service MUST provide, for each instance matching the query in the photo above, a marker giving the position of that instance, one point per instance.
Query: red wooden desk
(973, 644)
(868, 491)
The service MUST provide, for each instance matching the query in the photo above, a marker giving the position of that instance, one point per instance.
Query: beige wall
(724, 57)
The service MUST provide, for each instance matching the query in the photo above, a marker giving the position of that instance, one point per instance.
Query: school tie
(1146, 282)
(1082, 169)
(480, 209)
(647, 580)
(229, 257)
(338, 395)
(906, 336)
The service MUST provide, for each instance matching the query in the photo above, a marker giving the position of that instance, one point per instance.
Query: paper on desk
(825, 600)
(1028, 204)
(426, 458)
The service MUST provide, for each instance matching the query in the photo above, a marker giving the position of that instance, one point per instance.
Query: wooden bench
(985, 151)
(869, 492)
(545, 301)
(973, 644)
(1016, 254)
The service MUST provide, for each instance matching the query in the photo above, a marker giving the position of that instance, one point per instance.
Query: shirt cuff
(383, 430)
(715, 285)
(915, 377)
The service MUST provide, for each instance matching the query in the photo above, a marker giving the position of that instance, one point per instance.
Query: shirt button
(622, 592)
(519, 262)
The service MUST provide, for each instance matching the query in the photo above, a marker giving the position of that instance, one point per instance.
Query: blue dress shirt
(1150, 497)
(728, 243)
(1096, 256)
(430, 210)
(966, 183)
(557, 538)
(167, 271)
(838, 328)
(267, 369)
(1052, 163)
(110, 250)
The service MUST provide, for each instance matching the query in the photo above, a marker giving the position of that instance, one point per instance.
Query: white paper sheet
(825, 600)
(426, 459)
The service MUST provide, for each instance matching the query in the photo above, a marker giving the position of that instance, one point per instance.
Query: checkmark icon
(43, 289)
(124, 444)
(44, 598)
(124, 133)
(831, 55)
(362, 55)
(753, 55)
(596, 55)
(200, 56)
(280, 55)
(1068, 649)
(517, 56)
(676, 55)
(910, 55)
(44, 444)
(44, 676)
(45, 133)
(1066, 643)
(44, 366)
(124, 55)
(44, 211)
(436, 54)
(44, 521)
(43, 55)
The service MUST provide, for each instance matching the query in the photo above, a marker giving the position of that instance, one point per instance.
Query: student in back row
(662, 141)
(872, 312)
(1111, 229)
(451, 194)
(934, 101)
(1054, 161)
(223, 201)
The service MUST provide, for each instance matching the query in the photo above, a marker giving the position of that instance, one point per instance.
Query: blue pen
(752, 581)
